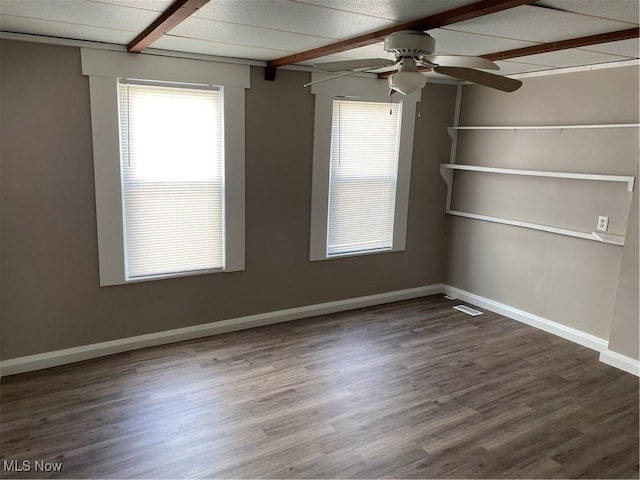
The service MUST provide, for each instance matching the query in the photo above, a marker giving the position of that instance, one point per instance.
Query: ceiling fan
(412, 49)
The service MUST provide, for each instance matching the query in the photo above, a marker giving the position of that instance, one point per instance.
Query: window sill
(357, 254)
(165, 276)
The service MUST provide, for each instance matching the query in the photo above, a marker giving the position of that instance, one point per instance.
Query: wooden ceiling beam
(565, 44)
(177, 12)
(466, 12)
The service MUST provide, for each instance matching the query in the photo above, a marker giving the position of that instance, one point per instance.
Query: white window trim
(104, 68)
(368, 89)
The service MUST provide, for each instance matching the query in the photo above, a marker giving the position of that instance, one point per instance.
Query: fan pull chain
(339, 129)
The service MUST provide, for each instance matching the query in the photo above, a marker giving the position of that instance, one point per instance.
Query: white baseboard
(577, 336)
(620, 361)
(85, 352)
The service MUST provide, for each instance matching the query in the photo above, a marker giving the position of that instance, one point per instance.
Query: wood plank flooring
(412, 389)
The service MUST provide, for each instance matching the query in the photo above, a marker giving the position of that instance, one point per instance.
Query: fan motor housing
(408, 43)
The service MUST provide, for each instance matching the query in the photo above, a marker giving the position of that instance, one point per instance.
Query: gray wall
(50, 298)
(564, 279)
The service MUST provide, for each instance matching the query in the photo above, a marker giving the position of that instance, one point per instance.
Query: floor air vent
(468, 310)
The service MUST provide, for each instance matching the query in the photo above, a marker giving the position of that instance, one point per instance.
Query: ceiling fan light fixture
(407, 82)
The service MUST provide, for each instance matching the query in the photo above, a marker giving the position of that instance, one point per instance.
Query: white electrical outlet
(603, 223)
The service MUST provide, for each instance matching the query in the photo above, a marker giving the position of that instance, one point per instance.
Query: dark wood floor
(408, 390)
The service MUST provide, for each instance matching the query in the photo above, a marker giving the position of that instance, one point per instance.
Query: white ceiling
(269, 29)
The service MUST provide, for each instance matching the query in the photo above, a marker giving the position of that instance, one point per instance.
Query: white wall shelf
(595, 236)
(453, 131)
(629, 180)
(447, 171)
(544, 127)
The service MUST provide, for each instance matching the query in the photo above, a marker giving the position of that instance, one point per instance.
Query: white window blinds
(363, 176)
(172, 178)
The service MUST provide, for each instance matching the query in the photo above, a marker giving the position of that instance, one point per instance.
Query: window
(172, 178)
(168, 155)
(363, 143)
(363, 175)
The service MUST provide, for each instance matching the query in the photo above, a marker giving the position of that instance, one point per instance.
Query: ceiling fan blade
(391, 68)
(345, 74)
(460, 61)
(487, 79)
(363, 64)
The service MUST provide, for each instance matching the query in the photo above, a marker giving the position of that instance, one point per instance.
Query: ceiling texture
(522, 36)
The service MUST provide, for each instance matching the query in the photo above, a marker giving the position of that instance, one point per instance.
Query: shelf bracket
(447, 175)
(608, 238)
(453, 134)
